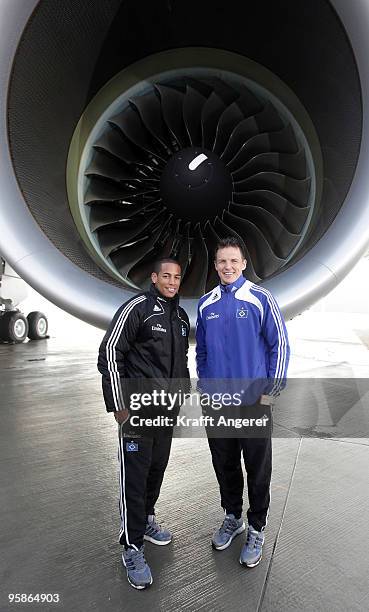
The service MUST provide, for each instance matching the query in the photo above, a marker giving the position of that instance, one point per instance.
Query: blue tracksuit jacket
(240, 334)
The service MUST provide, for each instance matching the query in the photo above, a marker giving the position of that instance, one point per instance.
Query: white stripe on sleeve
(111, 353)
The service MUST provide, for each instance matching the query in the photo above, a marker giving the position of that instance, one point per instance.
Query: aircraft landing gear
(15, 327)
(37, 325)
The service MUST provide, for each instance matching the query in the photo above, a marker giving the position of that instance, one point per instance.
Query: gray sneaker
(251, 553)
(155, 533)
(229, 529)
(138, 572)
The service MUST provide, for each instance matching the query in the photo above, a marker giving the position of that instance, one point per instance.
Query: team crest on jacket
(132, 446)
(242, 313)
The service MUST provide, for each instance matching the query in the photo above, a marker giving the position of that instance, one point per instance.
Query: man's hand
(266, 400)
(121, 416)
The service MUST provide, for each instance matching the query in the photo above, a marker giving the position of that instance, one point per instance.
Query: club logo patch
(131, 447)
(242, 313)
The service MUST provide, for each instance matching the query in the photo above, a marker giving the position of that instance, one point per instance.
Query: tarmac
(59, 491)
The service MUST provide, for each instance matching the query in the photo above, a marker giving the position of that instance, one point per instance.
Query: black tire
(13, 327)
(38, 325)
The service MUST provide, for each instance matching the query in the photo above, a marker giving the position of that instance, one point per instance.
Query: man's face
(168, 280)
(229, 264)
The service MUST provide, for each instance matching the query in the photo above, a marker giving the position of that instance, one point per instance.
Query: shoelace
(136, 560)
(254, 540)
(229, 524)
(152, 528)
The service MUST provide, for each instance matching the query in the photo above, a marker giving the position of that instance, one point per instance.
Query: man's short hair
(231, 241)
(159, 262)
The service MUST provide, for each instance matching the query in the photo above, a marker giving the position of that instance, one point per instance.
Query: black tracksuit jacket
(145, 348)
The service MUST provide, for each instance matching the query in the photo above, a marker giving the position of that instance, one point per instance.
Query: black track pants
(142, 463)
(257, 454)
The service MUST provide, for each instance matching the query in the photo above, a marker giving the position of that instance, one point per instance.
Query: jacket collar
(170, 301)
(234, 286)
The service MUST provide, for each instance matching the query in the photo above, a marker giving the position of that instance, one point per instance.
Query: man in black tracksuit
(144, 351)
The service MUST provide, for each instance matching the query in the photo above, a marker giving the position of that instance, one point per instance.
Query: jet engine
(133, 130)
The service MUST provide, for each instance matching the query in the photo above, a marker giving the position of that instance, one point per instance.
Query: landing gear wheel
(13, 327)
(38, 325)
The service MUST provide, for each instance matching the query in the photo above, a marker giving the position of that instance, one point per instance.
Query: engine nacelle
(134, 130)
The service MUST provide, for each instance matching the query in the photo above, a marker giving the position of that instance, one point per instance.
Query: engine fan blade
(223, 90)
(126, 258)
(248, 102)
(104, 165)
(292, 165)
(211, 239)
(225, 230)
(136, 261)
(245, 130)
(183, 255)
(293, 217)
(105, 214)
(130, 123)
(211, 111)
(172, 109)
(267, 120)
(113, 237)
(283, 141)
(192, 107)
(114, 142)
(297, 191)
(280, 239)
(194, 282)
(103, 190)
(149, 108)
(229, 119)
(245, 106)
(266, 262)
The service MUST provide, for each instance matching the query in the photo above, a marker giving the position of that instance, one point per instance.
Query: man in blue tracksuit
(240, 334)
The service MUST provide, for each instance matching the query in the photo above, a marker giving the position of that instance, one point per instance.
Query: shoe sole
(138, 587)
(236, 533)
(250, 565)
(153, 541)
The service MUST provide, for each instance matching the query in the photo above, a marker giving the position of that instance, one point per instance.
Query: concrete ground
(59, 491)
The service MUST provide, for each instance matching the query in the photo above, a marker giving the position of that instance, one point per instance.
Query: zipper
(227, 330)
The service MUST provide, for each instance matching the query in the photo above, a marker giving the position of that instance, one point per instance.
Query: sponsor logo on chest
(158, 328)
(212, 315)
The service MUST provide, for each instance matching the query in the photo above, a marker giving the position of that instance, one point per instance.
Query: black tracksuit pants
(257, 455)
(142, 463)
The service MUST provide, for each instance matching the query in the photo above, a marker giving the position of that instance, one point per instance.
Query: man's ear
(244, 264)
(154, 277)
